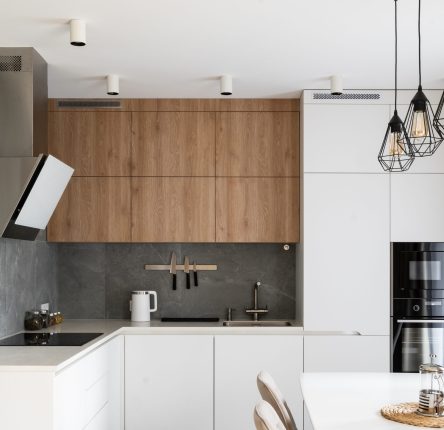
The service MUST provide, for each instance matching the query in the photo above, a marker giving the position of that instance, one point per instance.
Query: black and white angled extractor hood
(31, 181)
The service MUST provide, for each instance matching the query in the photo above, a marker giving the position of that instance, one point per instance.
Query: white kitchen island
(351, 401)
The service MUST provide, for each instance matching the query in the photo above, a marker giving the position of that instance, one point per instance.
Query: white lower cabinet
(345, 354)
(238, 360)
(88, 393)
(168, 382)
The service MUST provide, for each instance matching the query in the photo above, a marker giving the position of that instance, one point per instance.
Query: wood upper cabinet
(257, 209)
(93, 143)
(93, 210)
(173, 209)
(173, 144)
(257, 144)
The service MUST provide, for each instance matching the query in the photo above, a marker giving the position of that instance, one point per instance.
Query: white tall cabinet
(346, 215)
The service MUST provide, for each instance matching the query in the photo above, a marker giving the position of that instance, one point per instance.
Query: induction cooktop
(49, 339)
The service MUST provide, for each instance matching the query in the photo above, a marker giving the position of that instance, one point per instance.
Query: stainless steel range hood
(31, 181)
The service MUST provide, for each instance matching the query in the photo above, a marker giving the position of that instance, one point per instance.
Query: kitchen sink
(263, 323)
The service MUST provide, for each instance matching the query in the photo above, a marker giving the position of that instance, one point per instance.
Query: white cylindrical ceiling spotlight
(112, 82)
(336, 85)
(78, 32)
(226, 85)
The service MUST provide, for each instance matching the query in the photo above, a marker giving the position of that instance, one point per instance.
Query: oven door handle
(422, 321)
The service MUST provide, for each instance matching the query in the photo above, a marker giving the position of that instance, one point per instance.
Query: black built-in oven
(417, 309)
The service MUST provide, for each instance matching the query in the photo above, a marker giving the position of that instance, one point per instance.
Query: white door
(168, 382)
(238, 360)
(417, 212)
(347, 253)
(343, 138)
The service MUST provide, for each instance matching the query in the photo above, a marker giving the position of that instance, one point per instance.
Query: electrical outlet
(44, 307)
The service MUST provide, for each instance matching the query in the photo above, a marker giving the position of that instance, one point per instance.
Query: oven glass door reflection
(414, 341)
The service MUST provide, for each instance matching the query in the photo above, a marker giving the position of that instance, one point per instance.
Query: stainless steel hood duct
(31, 181)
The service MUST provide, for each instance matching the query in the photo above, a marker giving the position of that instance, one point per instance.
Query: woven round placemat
(405, 413)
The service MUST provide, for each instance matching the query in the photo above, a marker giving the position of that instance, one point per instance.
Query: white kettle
(140, 305)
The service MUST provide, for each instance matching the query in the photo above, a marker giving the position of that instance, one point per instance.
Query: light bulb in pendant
(396, 145)
(420, 127)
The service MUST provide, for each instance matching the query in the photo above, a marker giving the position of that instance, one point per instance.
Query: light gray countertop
(55, 358)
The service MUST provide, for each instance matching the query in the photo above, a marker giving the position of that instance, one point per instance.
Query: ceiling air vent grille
(346, 96)
(89, 104)
(10, 63)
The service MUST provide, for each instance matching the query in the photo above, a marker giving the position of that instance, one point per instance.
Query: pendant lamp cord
(419, 40)
(396, 53)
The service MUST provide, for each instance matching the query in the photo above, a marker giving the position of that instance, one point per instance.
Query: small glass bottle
(51, 319)
(33, 320)
(45, 316)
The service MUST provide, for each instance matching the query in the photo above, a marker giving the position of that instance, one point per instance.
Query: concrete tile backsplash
(96, 280)
(28, 278)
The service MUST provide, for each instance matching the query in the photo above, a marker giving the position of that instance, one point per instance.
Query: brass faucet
(255, 311)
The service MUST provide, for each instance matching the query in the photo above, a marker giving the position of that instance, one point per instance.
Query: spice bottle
(51, 319)
(33, 320)
(58, 317)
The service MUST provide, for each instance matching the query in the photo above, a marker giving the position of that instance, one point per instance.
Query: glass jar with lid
(431, 394)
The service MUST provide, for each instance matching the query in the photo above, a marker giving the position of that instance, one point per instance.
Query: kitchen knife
(195, 274)
(186, 269)
(173, 270)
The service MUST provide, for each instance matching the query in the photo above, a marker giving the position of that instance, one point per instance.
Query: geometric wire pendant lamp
(419, 121)
(396, 153)
(438, 120)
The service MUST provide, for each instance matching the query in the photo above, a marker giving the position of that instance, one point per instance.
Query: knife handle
(188, 281)
(195, 278)
(174, 282)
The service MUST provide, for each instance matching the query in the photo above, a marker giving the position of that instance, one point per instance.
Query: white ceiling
(179, 48)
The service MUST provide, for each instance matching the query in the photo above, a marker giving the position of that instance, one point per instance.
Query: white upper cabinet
(347, 252)
(417, 212)
(343, 138)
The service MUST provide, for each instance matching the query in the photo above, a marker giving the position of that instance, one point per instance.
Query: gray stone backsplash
(96, 280)
(28, 278)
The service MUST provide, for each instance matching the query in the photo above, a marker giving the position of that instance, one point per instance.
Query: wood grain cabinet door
(173, 144)
(93, 143)
(173, 209)
(257, 210)
(257, 144)
(93, 210)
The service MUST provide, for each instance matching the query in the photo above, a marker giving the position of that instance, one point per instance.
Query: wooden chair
(266, 418)
(270, 393)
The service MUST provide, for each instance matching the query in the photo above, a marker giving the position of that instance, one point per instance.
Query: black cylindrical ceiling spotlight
(419, 122)
(396, 153)
(112, 85)
(336, 85)
(226, 85)
(77, 32)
